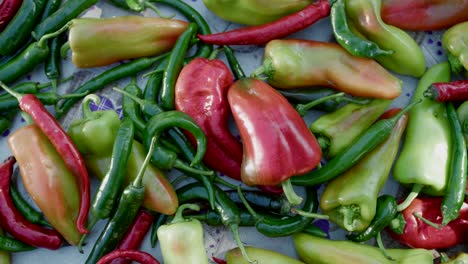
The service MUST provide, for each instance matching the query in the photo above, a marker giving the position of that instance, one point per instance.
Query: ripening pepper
(102, 41)
(47, 179)
(455, 42)
(337, 130)
(294, 63)
(317, 250)
(354, 210)
(424, 158)
(260, 256)
(254, 12)
(407, 58)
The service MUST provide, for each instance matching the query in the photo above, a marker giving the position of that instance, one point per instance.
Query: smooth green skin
(344, 125)
(462, 112)
(254, 12)
(262, 256)
(340, 196)
(407, 59)
(424, 158)
(462, 258)
(316, 250)
(455, 41)
(4, 255)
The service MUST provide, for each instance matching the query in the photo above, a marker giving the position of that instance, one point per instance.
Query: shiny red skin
(8, 9)
(130, 254)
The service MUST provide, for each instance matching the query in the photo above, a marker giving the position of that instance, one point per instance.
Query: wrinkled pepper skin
(424, 158)
(316, 250)
(254, 12)
(102, 41)
(418, 234)
(354, 210)
(424, 14)
(48, 181)
(455, 42)
(260, 255)
(339, 129)
(277, 143)
(297, 63)
(201, 92)
(407, 59)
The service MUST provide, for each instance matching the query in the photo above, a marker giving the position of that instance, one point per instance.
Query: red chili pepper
(424, 14)
(15, 223)
(448, 91)
(30, 104)
(418, 234)
(8, 9)
(258, 35)
(135, 234)
(135, 255)
(219, 261)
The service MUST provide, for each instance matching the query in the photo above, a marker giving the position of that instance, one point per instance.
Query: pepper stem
(410, 198)
(129, 95)
(27, 118)
(431, 92)
(224, 183)
(153, 72)
(426, 221)
(178, 164)
(179, 217)
(214, 54)
(348, 212)
(138, 182)
(84, 236)
(17, 95)
(265, 69)
(43, 40)
(290, 194)
(86, 105)
(382, 247)
(79, 95)
(235, 233)
(309, 215)
(156, 10)
(303, 108)
(246, 204)
(64, 50)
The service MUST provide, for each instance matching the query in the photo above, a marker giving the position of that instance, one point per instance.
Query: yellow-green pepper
(455, 42)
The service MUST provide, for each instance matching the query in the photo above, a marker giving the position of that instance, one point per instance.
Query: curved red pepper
(283, 27)
(424, 14)
(8, 9)
(448, 91)
(418, 234)
(14, 222)
(277, 143)
(135, 255)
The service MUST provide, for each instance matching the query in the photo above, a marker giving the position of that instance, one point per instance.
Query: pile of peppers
(278, 174)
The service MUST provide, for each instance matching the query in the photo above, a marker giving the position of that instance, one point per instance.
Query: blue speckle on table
(6, 133)
(430, 41)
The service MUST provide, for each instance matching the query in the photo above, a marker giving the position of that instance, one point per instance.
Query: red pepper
(424, 14)
(219, 261)
(135, 234)
(258, 35)
(277, 143)
(418, 234)
(15, 223)
(30, 104)
(8, 9)
(135, 255)
(201, 92)
(448, 91)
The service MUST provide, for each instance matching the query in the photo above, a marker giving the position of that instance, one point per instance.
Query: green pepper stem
(303, 108)
(129, 95)
(153, 72)
(86, 105)
(78, 95)
(43, 41)
(156, 10)
(382, 247)
(84, 236)
(265, 69)
(246, 203)
(138, 182)
(27, 118)
(426, 221)
(309, 215)
(290, 194)
(235, 234)
(178, 164)
(410, 198)
(214, 54)
(352, 100)
(444, 257)
(348, 212)
(17, 95)
(224, 183)
(179, 214)
(64, 50)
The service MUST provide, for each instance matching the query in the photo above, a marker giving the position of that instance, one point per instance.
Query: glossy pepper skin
(418, 234)
(455, 42)
(47, 179)
(8, 9)
(295, 63)
(424, 157)
(102, 41)
(316, 250)
(407, 58)
(354, 210)
(201, 92)
(277, 143)
(262, 256)
(254, 12)
(424, 14)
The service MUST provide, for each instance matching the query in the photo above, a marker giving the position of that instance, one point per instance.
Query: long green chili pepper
(174, 66)
(26, 88)
(52, 63)
(26, 209)
(152, 87)
(233, 63)
(12, 245)
(161, 220)
(456, 185)
(129, 204)
(49, 98)
(259, 199)
(385, 212)
(5, 123)
(354, 44)
(365, 143)
(50, 7)
(131, 110)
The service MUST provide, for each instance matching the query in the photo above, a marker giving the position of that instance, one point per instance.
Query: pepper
(25, 209)
(424, 14)
(337, 130)
(353, 210)
(424, 158)
(455, 44)
(407, 58)
(460, 259)
(419, 234)
(161, 219)
(102, 41)
(8, 11)
(182, 240)
(131, 255)
(4, 255)
(52, 64)
(323, 251)
(448, 91)
(260, 255)
(297, 63)
(48, 180)
(462, 112)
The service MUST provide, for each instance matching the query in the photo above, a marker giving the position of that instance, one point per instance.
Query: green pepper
(462, 258)
(337, 130)
(318, 250)
(4, 255)
(181, 240)
(354, 210)
(455, 42)
(462, 112)
(407, 58)
(424, 158)
(260, 256)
